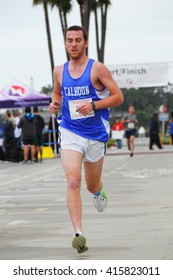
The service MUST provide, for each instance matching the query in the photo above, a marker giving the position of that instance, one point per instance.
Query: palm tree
(100, 40)
(85, 9)
(45, 2)
(86, 6)
(64, 7)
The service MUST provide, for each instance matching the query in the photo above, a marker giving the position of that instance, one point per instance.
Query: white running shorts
(92, 150)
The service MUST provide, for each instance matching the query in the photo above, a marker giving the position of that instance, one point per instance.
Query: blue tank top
(75, 90)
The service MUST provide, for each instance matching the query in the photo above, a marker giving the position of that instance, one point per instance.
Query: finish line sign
(140, 75)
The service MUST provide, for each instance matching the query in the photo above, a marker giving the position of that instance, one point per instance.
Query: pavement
(136, 225)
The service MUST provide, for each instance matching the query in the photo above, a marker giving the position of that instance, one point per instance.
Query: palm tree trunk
(85, 10)
(63, 20)
(48, 36)
(100, 40)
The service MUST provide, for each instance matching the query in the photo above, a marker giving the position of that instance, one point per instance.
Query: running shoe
(100, 201)
(79, 243)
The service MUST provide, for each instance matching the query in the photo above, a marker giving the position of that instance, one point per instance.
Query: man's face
(131, 110)
(75, 44)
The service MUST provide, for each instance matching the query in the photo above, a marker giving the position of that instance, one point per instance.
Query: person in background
(3, 139)
(28, 125)
(40, 124)
(130, 122)
(17, 155)
(171, 128)
(118, 132)
(9, 136)
(85, 89)
(154, 132)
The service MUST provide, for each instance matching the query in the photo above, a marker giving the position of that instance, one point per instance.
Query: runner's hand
(84, 108)
(54, 107)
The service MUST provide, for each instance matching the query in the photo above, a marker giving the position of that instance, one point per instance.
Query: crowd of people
(23, 136)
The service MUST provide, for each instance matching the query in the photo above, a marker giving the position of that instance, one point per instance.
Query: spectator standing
(40, 124)
(171, 128)
(3, 139)
(154, 132)
(9, 136)
(118, 132)
(28, 125)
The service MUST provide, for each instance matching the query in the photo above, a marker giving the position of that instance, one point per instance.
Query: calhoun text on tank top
(76, 90)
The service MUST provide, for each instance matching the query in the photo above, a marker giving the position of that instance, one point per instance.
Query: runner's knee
(74, 182)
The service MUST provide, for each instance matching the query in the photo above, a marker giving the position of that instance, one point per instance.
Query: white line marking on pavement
(40, 210)
(60, 199)
(15, 222)
(147, 173)
(27, 176)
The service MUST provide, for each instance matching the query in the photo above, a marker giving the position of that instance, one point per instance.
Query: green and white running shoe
(100, 201)
(79, 243)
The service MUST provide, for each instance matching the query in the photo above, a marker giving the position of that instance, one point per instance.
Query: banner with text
(140, 75)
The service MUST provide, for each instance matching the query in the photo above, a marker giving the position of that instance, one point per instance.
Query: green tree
(47, 89)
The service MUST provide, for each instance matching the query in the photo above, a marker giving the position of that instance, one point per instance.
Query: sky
(138, 31)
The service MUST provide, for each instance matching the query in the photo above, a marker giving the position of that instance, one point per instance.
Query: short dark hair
(8, 113)
(15, 112)
(35, 110)
(28, 110)
(77, 28)
(155, 115)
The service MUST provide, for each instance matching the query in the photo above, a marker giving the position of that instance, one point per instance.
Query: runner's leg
(132, 144)
(93, 171)
(72, 164)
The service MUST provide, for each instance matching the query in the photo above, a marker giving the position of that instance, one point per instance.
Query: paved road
(137, 224)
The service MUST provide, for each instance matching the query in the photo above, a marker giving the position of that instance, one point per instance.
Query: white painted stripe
(15, 222)
(28, 176)
(60, 199)
(40, 210)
